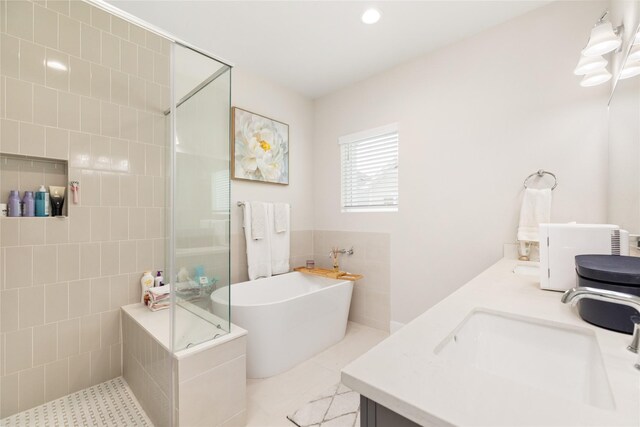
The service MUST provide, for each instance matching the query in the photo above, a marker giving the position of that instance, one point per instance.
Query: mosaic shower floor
(109, 404)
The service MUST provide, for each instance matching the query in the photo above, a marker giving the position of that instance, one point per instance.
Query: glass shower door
(199, 249)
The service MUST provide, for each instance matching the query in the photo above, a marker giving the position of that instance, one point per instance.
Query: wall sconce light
(596, 78)
(604, 38)
(631, 69)
(589, 64)
(634, 54)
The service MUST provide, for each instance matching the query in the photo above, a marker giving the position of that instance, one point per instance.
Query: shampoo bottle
(28, 204)
(42, 202)
(146, 283)
(13, 203)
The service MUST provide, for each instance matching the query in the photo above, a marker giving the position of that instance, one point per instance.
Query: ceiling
(316, 47)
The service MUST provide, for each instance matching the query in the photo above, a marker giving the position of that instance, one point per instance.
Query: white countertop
(404, 374)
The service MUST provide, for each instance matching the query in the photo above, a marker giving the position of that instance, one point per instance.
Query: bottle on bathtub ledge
(146, 283)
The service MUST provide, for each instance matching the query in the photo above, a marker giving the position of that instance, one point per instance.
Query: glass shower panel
(200, 209)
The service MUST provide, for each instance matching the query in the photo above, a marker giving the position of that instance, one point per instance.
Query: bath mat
(339, 406)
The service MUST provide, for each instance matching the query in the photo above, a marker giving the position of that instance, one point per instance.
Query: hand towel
(281, 213)
(258, 220)
(258, 251)
(536, 209)
(159, 297)
(280, 242)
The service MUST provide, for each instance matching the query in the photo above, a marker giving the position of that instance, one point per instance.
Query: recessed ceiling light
(371, 16)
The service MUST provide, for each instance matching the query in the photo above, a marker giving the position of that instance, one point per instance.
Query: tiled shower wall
(370, 301)
(63, 280)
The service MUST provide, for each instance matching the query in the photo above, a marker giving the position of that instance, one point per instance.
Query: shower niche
(24, 173)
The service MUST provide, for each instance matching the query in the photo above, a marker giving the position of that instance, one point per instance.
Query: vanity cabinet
(373, 414)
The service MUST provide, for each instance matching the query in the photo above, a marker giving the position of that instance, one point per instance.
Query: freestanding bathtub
(289, 318)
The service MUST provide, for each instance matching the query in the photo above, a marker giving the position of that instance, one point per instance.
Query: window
(370, 170)
(220, 189)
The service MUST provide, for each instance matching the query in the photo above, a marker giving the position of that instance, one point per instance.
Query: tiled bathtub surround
(370, 301)
(98, 105)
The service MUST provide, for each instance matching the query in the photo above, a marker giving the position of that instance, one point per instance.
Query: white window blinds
(370, 170)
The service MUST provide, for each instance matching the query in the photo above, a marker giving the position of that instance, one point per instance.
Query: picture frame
(259, 148)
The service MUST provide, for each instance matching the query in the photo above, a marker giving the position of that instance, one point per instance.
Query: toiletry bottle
(56, 194)
(158, 280)
(183, 275)
(202, 280)
(14, 203)
(28, 204)
(3, 209)
(42, 202)
(146, 283)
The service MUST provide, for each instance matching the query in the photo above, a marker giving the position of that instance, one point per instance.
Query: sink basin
(555, 358)
(527, 270)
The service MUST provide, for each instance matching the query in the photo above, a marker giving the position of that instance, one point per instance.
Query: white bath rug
(339, 406)
(109, 404)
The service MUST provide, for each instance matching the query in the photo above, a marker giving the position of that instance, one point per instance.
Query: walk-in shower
(141, 120)
(198, 223)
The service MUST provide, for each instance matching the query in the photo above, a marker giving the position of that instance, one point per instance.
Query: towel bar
(540, 173)
(240, 203)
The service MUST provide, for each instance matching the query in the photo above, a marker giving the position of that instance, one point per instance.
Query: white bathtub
(289, 318)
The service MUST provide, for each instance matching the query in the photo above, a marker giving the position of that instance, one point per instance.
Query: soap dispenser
(158, 281)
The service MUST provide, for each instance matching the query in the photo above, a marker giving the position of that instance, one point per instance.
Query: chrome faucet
(572, 296)
(334, 255)
(335, 251)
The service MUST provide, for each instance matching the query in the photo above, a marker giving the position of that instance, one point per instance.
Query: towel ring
(539, 174)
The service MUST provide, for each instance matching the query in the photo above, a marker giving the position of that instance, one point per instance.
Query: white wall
(261, 96)
(475, 119)
(266, 98)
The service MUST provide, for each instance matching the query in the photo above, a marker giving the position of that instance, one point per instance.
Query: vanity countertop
(404, 374)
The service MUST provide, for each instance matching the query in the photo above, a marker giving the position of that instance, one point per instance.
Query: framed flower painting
(259, 149)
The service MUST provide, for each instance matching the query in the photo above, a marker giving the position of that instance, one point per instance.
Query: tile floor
(109, 404)
(270, 400)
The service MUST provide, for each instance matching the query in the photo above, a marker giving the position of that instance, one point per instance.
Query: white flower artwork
(260, 148)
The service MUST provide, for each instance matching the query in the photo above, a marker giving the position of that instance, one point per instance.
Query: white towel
(281, 213)
(258, 251)
(280, 243)
(258, 220)
(536, 209)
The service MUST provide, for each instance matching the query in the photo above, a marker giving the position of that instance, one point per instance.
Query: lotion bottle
(146, 283)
